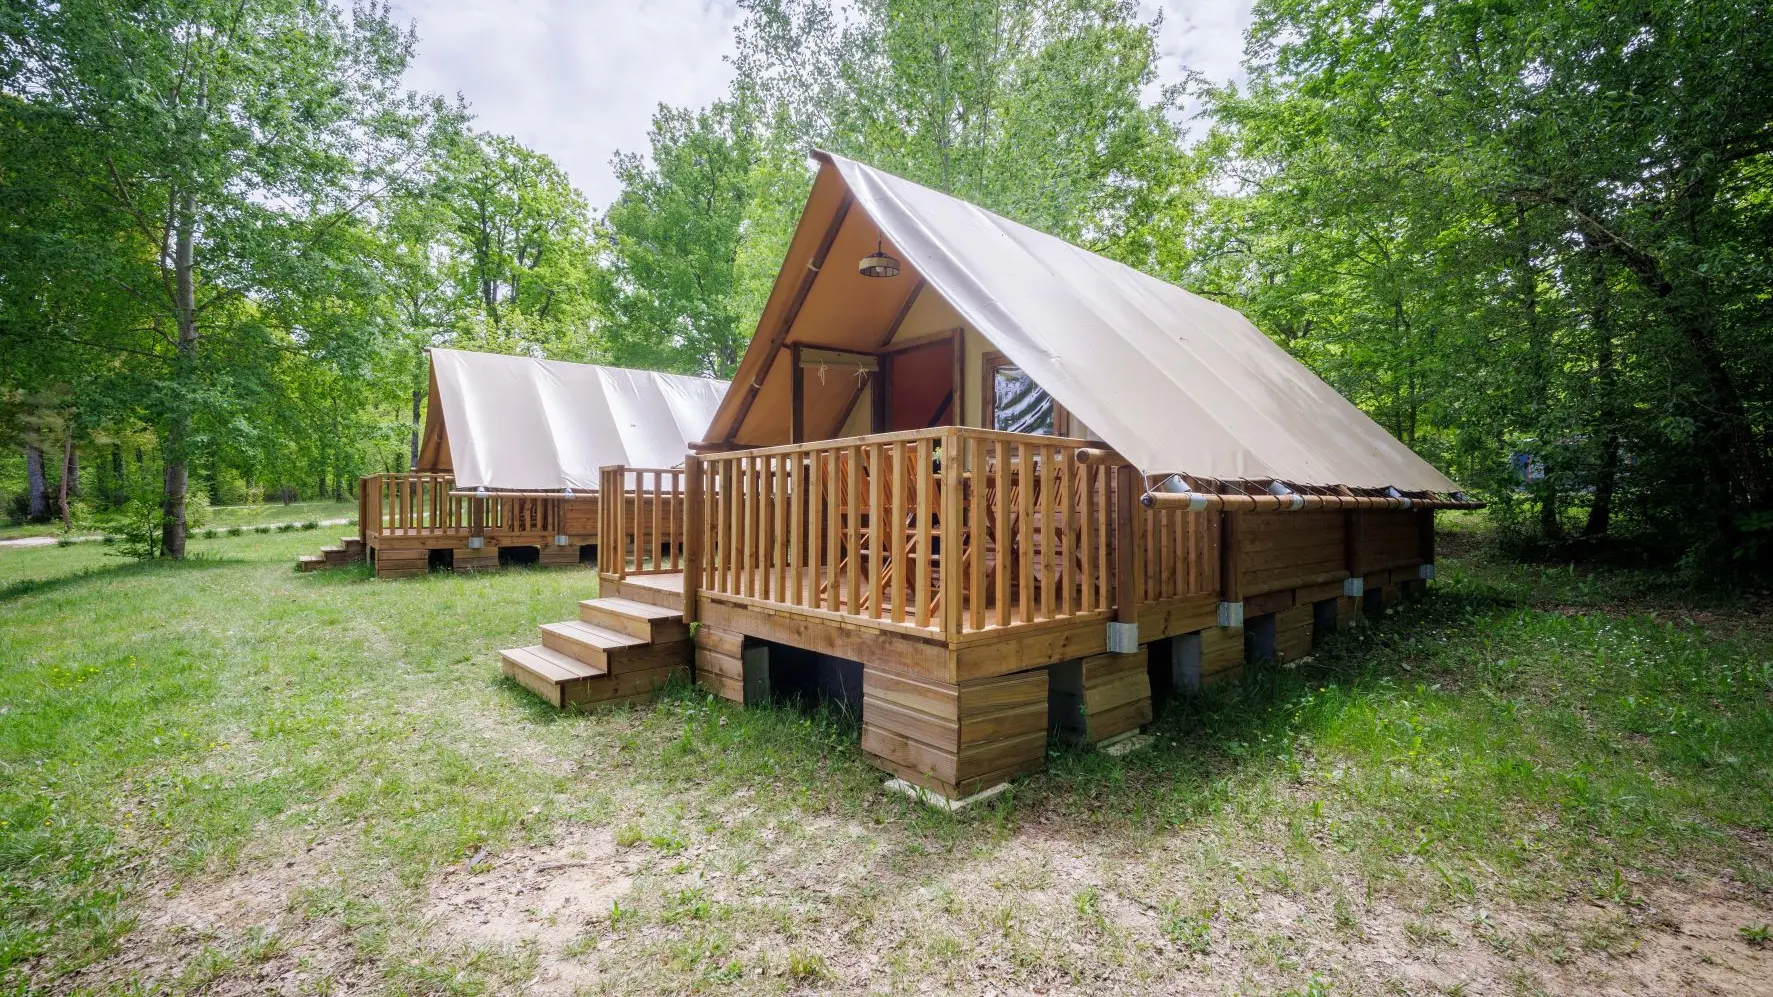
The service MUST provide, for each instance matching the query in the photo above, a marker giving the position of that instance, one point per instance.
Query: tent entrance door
(922, 386)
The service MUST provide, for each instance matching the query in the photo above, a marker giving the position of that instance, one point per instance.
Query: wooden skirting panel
(622, 687)
(1293, 632)
(1116, 695)
(406, 556)
(720, 662)
(955, 739)
(1221, 654)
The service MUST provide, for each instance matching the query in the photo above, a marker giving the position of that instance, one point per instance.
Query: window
(1015, 404)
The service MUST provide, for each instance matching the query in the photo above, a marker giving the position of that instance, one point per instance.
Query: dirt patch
(551, 905)
(233, 935)
(1052, 914)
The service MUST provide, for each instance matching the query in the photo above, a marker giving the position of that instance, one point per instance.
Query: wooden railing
(643, 533)
(410, 504)
(951, 531)
(423, 504)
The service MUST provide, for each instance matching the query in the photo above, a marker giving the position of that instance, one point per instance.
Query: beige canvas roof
(1173, 381)
(510, 422)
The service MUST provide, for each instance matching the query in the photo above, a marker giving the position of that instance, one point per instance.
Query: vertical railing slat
(833, 580)
(877, 524)
(923, 557)
(898, 531)
(976, 535)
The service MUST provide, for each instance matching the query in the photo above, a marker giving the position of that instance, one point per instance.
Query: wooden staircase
(618, 650)
(348, 551)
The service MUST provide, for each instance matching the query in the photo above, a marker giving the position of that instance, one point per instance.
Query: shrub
(261, 529)
(64, 541)
(285, 527)
(312, 524)
(137, 526)
(210, 533)
(235, 531)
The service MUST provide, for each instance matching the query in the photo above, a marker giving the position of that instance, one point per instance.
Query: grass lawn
(227, 777)
(221, 517)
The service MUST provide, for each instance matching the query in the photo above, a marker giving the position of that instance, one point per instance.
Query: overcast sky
(579, 79)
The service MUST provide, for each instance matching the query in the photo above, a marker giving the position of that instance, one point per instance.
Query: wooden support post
(1231, 586)
(1353, 539)
(1354, 524)
(1425, 535)
(692, 534)
(1129, 561)
(797, 400)
(1128, 566)
(877, 395)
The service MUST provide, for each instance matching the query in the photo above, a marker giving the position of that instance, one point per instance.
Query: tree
(520, 240)
(1565, 206)
(223, 152)
(670, 244)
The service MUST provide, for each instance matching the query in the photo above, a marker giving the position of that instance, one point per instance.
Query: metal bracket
(560, 540)
(1123, 638)
(475, 543)
(1425, 571)
(1352, 587)
(1231, 614)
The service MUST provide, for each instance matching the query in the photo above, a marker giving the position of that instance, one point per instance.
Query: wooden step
(554, 676)
(591, 644)
(655, 624)
(351, 543)
(310, 562)
(340, 555)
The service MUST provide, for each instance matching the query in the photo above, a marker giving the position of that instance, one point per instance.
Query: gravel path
(89, 537)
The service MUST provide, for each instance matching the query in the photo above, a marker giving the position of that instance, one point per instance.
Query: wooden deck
(407, 523)
(995, 589)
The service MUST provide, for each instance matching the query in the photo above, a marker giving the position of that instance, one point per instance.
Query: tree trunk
(1606, 382)
(73, 470)
(67, 472)
(1538, 376)
(38, 507)
(416, 396)
(1726, 436)
(119, 478)
(178, 428)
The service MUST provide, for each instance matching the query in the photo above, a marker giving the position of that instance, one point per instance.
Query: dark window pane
(1019, 405)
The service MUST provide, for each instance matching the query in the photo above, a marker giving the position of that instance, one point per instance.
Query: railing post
(620, 474)
(1231, 588)
(1353, 526)
(692, 534)
(952, 544)
(1129, 566)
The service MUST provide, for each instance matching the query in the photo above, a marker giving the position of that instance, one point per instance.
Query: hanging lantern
(878, 263)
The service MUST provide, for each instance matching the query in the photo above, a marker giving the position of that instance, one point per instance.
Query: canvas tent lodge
(995, 486)
(511, 461)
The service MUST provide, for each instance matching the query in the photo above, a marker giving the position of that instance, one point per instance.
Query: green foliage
(672, 244)
(139, 526)
(1513, 229)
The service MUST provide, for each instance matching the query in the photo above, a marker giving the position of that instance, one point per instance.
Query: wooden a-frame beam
(780, 334)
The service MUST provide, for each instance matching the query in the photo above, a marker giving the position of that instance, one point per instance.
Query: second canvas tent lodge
(1000, 486)
(511, 458)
